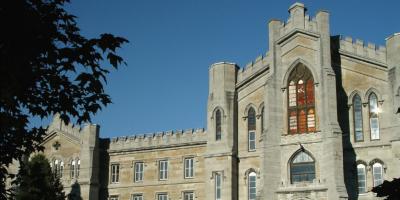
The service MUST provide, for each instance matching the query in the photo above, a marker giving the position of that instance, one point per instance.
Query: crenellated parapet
(357, 48)
(158, 140)
(260, 63)
(57, 125)
(310, 24)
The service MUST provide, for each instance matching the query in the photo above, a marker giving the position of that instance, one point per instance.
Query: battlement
(158, 139)
(358, 48)
(58, 125)
(252, 67)
(310, 24)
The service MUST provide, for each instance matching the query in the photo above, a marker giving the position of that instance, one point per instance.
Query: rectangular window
(137, 197)
(113, 197)
(114, 173)
(188, 196)
(163, 169)
(163, 196)
(189, 167)
(218, 183)
(374, 128)
(378, 175)
(252, 141)
(139, 171)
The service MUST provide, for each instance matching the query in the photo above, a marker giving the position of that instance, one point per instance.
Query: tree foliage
(35, 181)
(388, 189)
(47, 67)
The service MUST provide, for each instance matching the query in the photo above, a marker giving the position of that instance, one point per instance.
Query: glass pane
(302, 121)
(293, 122)
(251, 119)
(374, 122)
(218, 125)
(311, 120)
(292, 94)
(310, 92)
(300, 93)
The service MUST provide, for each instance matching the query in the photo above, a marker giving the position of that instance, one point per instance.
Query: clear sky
(173, 43)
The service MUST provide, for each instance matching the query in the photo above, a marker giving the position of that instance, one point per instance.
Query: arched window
(302, 168)
(361, 178)
(301, 104)
(72, 169)
(61, 169)
(252, 186)
(373, 116)
(377, 172)
(251, 126)
(58, 168)
(218, 125)
(358, 121)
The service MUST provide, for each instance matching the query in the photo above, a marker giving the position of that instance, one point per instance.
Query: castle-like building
(317, 117)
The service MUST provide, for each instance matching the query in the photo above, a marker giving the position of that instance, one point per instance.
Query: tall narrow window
(262, 120)
(301, 103)
(188, 196)
(78, 168)
(251, 125)
(373, 116)
(72, 169)
(58, 168)
(361, 178)
(218, 125)
(218, 184)
(302, 168)
(163, 169)
(114, 173)
(139, 171)
(358, 122)
(377, 171)
(252, 189)
(189, 168)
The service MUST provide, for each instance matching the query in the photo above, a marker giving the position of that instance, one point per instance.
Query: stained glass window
(358, 122)
(301, 101)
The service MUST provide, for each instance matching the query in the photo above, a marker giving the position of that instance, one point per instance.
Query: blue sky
(173, 43)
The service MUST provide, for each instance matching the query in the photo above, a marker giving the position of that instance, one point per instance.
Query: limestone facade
(343, 138)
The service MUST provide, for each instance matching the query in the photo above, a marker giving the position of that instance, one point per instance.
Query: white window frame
(162, 196)
(163, 169)
(115, 173)
(188, 195)
(139, 171)
(363, 168)
(72, 169)
(218, 185)
(252, 178)
(137, 197)
(252, 142)
(189, 167)
(379, 169)
(78, 168)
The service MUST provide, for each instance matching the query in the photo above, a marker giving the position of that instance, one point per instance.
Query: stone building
(316, 117)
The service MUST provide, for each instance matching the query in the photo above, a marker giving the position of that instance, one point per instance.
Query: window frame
(218, 185)
(252, 142)
(113, 197)
(363, 167)
(136, 196)
(189, 169)
(357, 97)
(162, 196)
(72, 169)
(218, 125)
(115, 169)
(374, 181)
(374, 116)
(185, 193)
(302, 164)
(138, 176)
(250, 176)
(294, 110)
(163, 170)
(251, 129)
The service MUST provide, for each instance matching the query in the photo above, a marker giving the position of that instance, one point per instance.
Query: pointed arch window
(78, 168)
(301, 101)
(218, 129)
(302, 168)
(373, 116)
(358, 121)
(58, 168)
(252, 186)
(262, 120)
(251, 126)
(72, 169)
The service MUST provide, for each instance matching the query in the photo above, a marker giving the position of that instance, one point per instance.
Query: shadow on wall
(104, 164)
(349, 155)
(75, 193)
